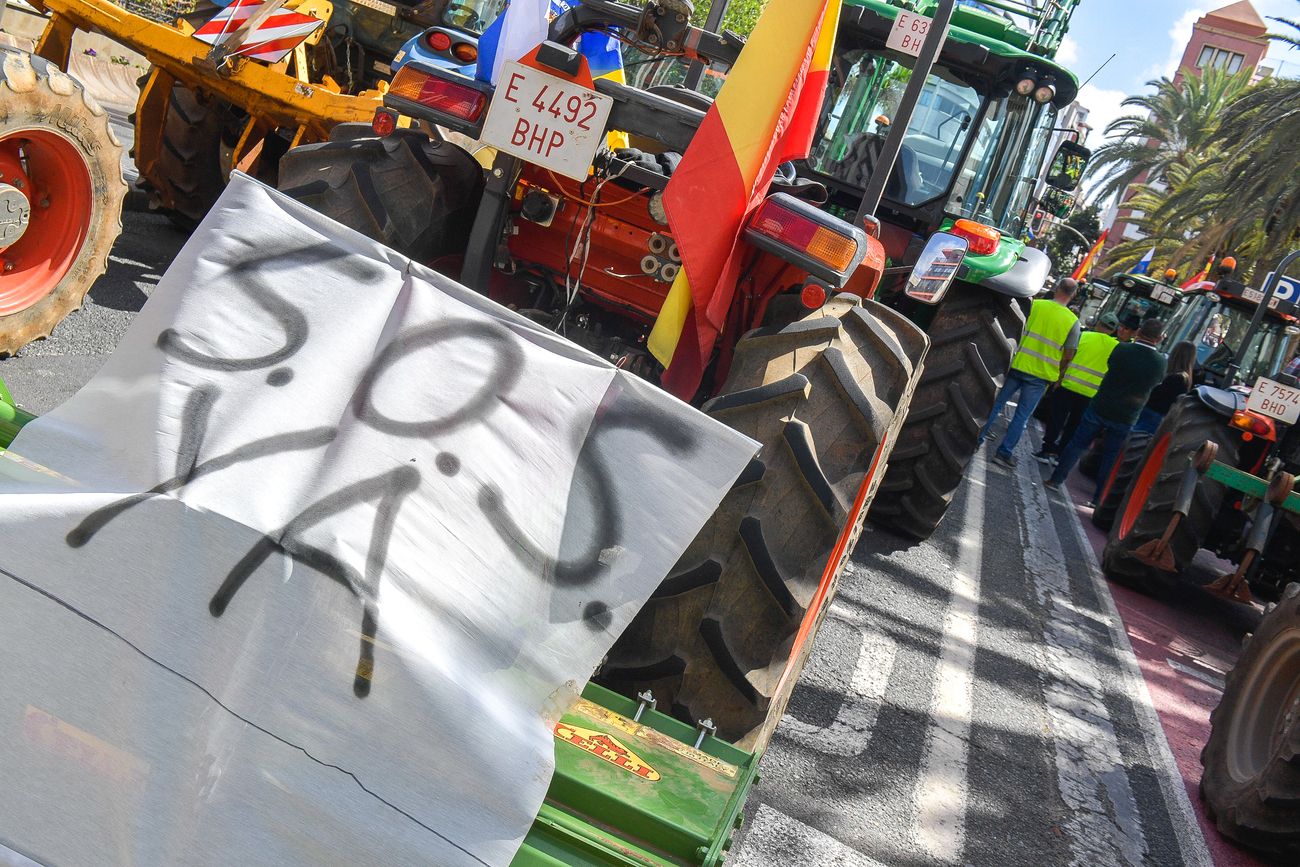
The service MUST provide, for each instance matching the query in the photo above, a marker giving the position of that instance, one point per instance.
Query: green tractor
(1215, 321)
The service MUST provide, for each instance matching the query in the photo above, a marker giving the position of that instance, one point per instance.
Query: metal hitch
(1232, 585)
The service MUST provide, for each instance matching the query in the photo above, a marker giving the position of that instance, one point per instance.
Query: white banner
(329, 544)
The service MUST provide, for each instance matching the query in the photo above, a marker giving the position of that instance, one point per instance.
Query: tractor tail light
(983, 239)
(384, 122)
(437, 40)
(457, 100)
(826, 246)
(1253, 424)
(465, 52)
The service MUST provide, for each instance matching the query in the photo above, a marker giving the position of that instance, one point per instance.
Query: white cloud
(1179, 34)
(1068, 54)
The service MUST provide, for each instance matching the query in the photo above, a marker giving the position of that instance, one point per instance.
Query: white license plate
(1255, 296)
(546, 120)
(1274, 400)
(908, 33)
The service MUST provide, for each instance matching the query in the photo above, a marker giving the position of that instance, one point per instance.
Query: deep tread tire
(192, 170)
(973, 337)
(1187, 425)
(1251, 778)
(413, 194)
(820, 394)
(37, 95)
(1126, 467)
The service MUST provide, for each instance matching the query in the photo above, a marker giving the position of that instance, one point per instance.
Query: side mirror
(1068, 165)
(936, 267)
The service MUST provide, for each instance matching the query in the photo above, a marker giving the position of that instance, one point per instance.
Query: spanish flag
(765, 114)
(1086, 265)
(1201, 277)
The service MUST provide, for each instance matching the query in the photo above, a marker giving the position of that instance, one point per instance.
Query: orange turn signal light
(983, 240)
(458, 100)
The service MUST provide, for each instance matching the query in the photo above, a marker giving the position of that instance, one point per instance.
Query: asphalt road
(970, 700)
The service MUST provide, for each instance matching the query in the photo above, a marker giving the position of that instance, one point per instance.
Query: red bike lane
(1184, 645)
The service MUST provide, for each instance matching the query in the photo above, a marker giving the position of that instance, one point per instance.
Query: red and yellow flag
(1201, 277)
(765, 114)
(1086, 265)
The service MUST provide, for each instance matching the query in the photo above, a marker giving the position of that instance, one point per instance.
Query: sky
(1147, 37)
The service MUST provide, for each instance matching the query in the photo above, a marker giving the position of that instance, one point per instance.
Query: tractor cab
(1140, 296)
(1217, 321)
(450, 40)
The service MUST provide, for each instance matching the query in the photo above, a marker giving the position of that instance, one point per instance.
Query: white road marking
(942, 785)
(775, 838)
(1204, 677)
(1187, 831)
(1103, 824)
(849, 733)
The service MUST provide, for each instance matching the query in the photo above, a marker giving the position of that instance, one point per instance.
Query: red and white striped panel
(273, 39)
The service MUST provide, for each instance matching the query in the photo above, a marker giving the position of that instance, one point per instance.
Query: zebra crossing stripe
(775, 838)
(943, 783)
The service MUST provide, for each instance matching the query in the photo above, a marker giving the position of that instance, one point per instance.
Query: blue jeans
(1031, 390)
(1148, 421)
(1113, 436)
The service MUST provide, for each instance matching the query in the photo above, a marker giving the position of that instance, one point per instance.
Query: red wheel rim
(1142, 486)
(50, 171)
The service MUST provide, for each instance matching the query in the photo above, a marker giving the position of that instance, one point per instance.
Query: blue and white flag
(1142, 266)
(514, 33)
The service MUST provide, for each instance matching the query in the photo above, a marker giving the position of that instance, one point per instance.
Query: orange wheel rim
(50, 171)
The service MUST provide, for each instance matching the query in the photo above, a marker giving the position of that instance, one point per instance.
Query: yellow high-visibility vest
(1042, 346)
(1088, 367)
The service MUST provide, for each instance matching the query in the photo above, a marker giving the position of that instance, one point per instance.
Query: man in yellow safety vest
(1065, 405)
(1047, 347)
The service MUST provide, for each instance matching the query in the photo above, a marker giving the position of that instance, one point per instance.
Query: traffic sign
(1288, 288)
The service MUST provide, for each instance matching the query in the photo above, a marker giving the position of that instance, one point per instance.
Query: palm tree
(1179, 119)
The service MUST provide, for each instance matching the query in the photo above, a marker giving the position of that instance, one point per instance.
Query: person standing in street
(1047, 346)
(1134, 370)
(1082, 376)
(1180, 372)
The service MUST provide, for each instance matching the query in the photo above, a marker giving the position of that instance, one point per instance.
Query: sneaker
(1008, 461)
(1045, 458)
(1052, 484)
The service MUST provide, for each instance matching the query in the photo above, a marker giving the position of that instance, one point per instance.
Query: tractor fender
(1220, 400)
(1025, 279)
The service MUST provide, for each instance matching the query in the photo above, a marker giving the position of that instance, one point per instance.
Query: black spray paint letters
(388, 490)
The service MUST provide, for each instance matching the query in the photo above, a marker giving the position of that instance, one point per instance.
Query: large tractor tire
(1148, 504)
(410, 193)
(1251, 781)
(825, 396)
(1121, 475)
(199, 136)
(61, 192)
(972, 338)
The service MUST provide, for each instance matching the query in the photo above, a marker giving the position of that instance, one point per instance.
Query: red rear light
(983, 240)
(437, 41)
(384, 122)
(797, 231)
(813, 296)
(458, 100)
(465, 52)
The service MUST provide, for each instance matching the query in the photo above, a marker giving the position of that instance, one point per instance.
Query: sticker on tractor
(658, 738)
(605, 747)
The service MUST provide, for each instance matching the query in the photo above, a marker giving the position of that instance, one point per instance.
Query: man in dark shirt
(1133, 371)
